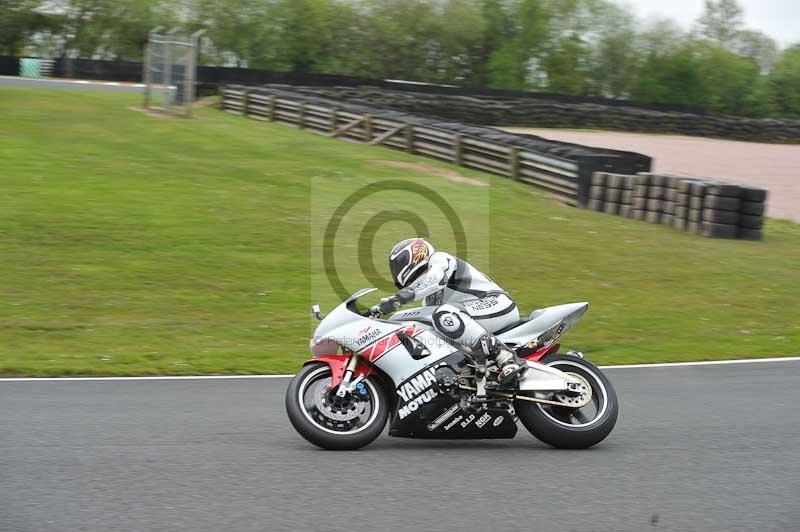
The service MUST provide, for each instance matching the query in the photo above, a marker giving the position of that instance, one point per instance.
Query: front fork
(348, 384)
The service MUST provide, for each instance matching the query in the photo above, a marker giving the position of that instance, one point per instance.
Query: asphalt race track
(71, 84)
(696, 448)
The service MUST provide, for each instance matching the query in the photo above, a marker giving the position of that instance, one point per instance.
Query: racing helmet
(408, 260)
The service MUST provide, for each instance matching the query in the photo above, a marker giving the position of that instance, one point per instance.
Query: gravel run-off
(775, 167)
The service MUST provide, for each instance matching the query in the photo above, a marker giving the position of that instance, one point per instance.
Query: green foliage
(111, 28)
(580, 47)
(759, 47)
(728, 79)
(784, 82)
(671, 77)
(721, 20)
(19, 21)
(613, 53)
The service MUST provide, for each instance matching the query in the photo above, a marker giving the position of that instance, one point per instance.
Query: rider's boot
(510, 364)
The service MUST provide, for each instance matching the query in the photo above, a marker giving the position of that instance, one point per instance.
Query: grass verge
(134, 245)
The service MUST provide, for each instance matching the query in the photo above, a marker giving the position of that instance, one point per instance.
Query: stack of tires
(611, 193)
(708, 208)
(683, 195)
(751, 212)
(715, 209)
(640, 196)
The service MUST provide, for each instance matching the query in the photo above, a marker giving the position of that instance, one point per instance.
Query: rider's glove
(390, 304)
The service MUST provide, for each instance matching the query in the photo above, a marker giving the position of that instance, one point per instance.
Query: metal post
(189, 91)
(168, 67)
(148, 65)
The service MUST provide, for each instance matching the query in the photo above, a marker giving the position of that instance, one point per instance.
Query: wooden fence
(558, 176)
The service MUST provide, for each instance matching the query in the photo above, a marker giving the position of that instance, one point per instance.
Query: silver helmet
(409, 259)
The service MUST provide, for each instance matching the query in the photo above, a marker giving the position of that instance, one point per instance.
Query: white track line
(146, 378)
(243, 377)
(704, 363)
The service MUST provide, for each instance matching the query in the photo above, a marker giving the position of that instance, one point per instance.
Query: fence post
(409, 138)
(245, 102)
(189, 91)
(513, 162)
(301, 115)
(148, 65)
(271, 112)
(334, 119)
(367, 128)
(457, 149)
(167, 75)
(148, 79)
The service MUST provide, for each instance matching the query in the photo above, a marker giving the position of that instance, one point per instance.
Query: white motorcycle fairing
(545, 324)
(554, 320)
(377, 341)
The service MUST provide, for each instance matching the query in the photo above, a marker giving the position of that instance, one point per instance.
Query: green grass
(133, 244)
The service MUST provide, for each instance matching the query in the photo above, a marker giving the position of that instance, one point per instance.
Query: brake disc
(583, 397)
(347, 411)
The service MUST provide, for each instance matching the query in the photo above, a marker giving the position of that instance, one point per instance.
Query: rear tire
(318, 427)
(559, 426)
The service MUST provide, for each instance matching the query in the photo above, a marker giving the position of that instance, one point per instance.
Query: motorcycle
(366, 368)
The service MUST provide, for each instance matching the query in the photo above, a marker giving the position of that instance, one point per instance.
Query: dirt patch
(208, 101)
(450, 175)
(158, 113)
(150, 112)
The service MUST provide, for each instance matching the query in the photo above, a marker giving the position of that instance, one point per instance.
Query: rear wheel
(332, 422)
(573, 428)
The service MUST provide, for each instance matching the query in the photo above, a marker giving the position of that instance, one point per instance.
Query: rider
(470, 305)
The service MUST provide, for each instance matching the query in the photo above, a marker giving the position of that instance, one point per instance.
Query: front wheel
(331, 422)
(572, 428)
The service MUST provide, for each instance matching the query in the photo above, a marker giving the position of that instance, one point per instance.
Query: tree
(671, 76)
(460, 35)
(302, 32)
(567, 52)
(614, 55)
(784, 82)
(241, 31)
(567, 65)
(721, 21)
(20, 19)
(525, 36)
(109, 29)
(757, 46)
(729, 80)
(398, 39)
(499, 27)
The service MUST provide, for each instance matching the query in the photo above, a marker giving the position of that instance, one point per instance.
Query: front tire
(573, 428)
(329, 422)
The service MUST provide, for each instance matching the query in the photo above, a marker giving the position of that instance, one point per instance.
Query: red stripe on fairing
(387, 343)
(535, 357)
(338, 365)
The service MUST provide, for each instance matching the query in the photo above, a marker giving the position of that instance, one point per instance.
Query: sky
(780, 19)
